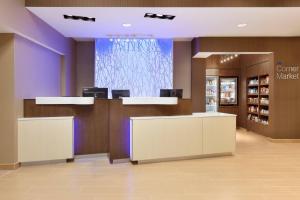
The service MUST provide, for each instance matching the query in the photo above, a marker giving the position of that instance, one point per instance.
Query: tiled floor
(259, 170)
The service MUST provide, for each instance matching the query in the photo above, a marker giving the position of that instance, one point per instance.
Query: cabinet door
(166, 138)
(219, 135)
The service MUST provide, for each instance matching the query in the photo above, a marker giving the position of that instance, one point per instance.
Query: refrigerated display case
(211, 94)
(228, 91)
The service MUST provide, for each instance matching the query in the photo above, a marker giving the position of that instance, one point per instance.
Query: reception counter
(102, 125)
(171, 137)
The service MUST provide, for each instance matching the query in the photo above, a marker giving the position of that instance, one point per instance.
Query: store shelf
(253, 104)
(262, 104)
(261, 87)
(253, 113)
(266, 115)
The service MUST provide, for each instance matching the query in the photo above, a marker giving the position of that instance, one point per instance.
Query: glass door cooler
(228, 91)
(211, 94)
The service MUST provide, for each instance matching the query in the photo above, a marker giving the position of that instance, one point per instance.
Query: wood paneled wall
(256, 65)
(286, 104)
(198, 84)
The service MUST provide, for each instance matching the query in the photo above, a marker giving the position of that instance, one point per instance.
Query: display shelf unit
(211, 94)
(258, 99)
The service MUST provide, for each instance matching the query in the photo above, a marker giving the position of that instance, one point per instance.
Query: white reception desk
(91, 100)
(172, 137)
(45, 139)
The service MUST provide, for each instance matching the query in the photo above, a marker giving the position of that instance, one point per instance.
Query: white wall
(37, 71)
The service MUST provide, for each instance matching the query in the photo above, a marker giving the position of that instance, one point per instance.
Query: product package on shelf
(265, 80)
(264, 121)
(264, 101)
(253, 118)
(253, 109)
(264, 90)
(252, 90)
(253, 82)
(253, 100)
(264, 112)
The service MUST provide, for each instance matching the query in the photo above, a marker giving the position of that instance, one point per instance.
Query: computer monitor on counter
(116, 94)
(95, 92)
(171, 93)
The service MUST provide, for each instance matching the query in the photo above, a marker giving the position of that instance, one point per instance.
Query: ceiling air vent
(74, 17)
(159, 16)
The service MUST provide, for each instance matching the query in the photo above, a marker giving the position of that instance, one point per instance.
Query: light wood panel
(260, 170)
(8, 110)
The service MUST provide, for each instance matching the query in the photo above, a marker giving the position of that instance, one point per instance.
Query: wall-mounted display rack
(258, 99)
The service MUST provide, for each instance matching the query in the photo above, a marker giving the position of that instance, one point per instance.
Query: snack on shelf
(253, 100)
(253, 82)
(264, 90)
(264, 101)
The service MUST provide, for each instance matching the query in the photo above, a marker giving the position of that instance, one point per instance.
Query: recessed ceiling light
(242, 25)
(127, 25)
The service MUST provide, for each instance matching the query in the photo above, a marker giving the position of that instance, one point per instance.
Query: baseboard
(283, 140)
(44, 162)
(12, 166)
(119, 161)
(97, 155)
(241, 128)
(184, 158)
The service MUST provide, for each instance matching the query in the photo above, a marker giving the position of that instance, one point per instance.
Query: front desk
(103, 126)
(188, 136)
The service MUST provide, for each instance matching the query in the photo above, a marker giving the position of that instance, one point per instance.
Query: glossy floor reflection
(259, 170)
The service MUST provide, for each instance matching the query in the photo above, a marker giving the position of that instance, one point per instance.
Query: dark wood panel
(33, 110)
(91, 132)
(257, 65)
(214, 62)
(286, 105)
(119, 126)
(162, 3)
(198, 84)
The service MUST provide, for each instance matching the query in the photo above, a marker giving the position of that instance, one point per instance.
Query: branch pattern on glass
(144, 66)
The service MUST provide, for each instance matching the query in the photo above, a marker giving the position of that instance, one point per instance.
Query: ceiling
(189, 22)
